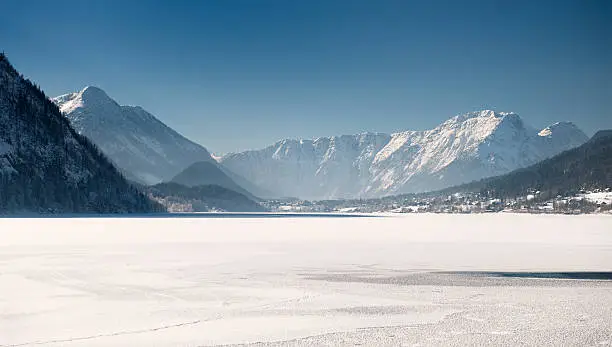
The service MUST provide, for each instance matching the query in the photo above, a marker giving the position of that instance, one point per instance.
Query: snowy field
(380, 281)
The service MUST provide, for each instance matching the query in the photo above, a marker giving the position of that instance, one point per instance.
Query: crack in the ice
(294, 341)
(118, 333)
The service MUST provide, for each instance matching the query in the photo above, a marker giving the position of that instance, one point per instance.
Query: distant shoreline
(253, 215)
(195, 215)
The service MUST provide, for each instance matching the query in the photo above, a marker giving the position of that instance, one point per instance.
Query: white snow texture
(303, 282)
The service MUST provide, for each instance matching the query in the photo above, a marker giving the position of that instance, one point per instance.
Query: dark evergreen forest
(49, 167)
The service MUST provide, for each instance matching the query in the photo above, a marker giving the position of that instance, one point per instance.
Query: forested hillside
(45, 166)
(204, 198)
(586, 167)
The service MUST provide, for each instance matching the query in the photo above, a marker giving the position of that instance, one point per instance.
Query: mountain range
(74, 152)
(462, 149)
(578, 180)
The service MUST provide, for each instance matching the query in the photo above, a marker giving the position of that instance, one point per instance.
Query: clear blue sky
(234, 75)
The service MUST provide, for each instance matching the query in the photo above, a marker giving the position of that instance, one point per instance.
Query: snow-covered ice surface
(380, 281)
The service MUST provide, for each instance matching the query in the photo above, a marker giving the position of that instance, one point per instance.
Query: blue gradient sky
(234, 75)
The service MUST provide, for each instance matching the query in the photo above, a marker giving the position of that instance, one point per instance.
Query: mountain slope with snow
(143, 147)
(462, 149)
(46, 166)
(586, 167)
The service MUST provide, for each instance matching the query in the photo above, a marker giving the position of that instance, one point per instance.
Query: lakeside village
(585, 201)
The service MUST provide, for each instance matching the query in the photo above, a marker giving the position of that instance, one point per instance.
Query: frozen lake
(494, 279)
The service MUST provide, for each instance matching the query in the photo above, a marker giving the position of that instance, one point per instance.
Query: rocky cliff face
(462, 149)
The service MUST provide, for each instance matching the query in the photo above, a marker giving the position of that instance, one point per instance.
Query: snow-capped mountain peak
(143, 147)
(559, 129)
(90, 96)
(463, 148)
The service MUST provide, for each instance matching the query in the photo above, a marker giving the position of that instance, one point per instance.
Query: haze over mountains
(462, 149)
(148, 152)
(144, 148)
(206, 173)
